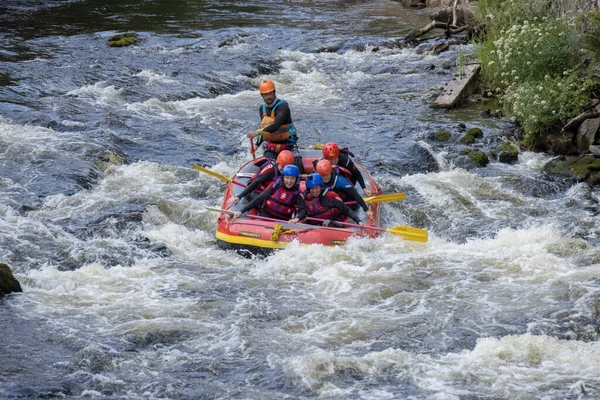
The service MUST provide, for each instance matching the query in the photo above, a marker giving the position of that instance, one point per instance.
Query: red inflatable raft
(254, 233)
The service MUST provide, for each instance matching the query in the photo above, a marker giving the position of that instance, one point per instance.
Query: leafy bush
(541, 106)
(530, 51)
(530, 60)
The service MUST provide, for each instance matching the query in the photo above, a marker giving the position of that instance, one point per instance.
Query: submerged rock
(471, 135)
(507, 153)
(443, 135)
(124, 39)
(8, 283)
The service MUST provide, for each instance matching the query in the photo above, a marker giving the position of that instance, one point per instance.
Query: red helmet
(266, 86)
(331, 151)
(285, 157)
(324, 167)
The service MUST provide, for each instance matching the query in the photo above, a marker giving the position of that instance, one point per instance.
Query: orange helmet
(324, 167)
(285, 157)
(331, 151)
(266, 86)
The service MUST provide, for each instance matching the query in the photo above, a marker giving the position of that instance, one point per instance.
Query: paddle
(298, 225)
(252, 150)
(384, 198)
(407, 232)
(217, 175)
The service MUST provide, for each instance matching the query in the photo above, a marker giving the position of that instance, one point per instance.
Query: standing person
(268, 172)
(341, 185)
(325, 205)
(281, 200)
(342, 158)
(277, 129)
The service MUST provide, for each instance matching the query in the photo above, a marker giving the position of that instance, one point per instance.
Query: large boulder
(8, 283)
(580, 169)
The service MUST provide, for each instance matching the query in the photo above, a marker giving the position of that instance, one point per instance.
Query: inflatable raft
(254, 233)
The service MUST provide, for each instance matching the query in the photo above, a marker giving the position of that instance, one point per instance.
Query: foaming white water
(515, 367)
(154, 78)
(24, 141)
(100, 93)
(220, 113)
(459, 191)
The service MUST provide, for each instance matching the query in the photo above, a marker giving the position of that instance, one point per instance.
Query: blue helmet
(315, 180)
(290, 170)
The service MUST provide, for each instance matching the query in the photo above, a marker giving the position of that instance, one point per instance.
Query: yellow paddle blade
(385, 198)
(410, 233)
(215, 174)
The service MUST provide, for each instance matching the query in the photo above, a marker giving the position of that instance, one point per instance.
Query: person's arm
(264, 177)
(342, 207)
(258, 200)
(299, 201)
(356, 174)
(343, 184)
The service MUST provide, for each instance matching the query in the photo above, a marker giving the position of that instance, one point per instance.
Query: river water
(126, 294)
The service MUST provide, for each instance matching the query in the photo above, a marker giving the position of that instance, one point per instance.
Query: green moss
(471, 135)
(479, 158)
(508, 152)
(475, 132)
(582, 168)
(124, 39)
(442, 135)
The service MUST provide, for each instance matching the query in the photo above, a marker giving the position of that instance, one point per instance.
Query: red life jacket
(281, 202)
(314, 208)
(265, 168)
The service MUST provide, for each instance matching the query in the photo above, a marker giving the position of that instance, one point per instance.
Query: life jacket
(314, 208)
(284, 132)
(281, 202)
(264, 168)
(330, 187)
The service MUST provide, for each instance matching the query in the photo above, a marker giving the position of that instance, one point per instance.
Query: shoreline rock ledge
(8, 283)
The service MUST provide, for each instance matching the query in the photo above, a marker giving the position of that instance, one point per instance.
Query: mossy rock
(582, 169)
(124, 39)
(479, 158)
(507, 153)
(443, 135)
(8, 283)
(471, 135)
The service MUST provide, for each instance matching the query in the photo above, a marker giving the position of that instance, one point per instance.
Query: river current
(126, 293)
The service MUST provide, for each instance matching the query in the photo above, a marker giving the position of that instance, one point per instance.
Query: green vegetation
(533, 62)
(471, 135)
(125, 39)
(443, 135)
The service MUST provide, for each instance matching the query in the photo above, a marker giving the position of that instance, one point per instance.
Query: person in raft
(342, 158)
(269, 171)
(325, 205)
(281, 199)
(340, 185)
(277, 129)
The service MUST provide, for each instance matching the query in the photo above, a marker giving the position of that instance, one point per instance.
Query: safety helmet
(324, 167)
(315, 180)
(331, 151)
(285, 157)
(290, 170)
(266, 86)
